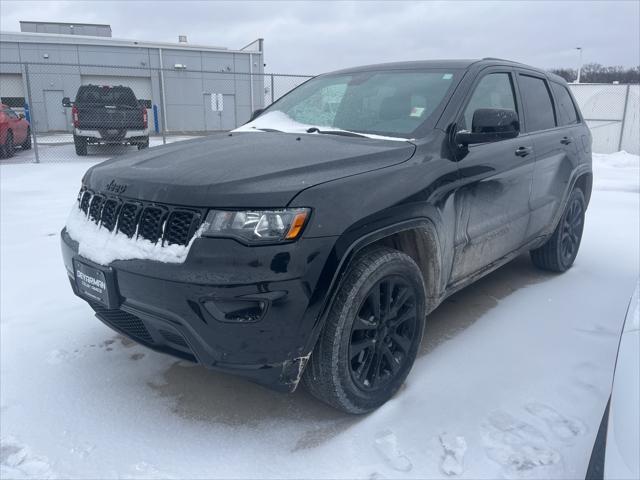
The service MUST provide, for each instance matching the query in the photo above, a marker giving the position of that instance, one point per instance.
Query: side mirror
(490, 125)
(66, 102)
(256, 113)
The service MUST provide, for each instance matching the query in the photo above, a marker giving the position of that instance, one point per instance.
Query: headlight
(257, 226)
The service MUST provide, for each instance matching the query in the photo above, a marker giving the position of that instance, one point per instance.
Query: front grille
(123, 321)
(110, 212)
(153, 222)
(95, 208)
(181, 226)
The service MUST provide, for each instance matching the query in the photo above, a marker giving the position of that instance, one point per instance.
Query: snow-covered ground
(512, 380)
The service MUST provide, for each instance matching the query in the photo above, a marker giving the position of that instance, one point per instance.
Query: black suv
(310, 244)
(105, 114)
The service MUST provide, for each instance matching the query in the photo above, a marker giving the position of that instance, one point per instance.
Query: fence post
(33, 131)
(272, 92)
(624, 117)
(162, 103)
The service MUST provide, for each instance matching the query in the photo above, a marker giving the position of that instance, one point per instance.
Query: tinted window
(567, 114)
(538, 106)
(493, 91)
(107, 95)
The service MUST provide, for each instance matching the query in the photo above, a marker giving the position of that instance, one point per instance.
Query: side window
(495, 90)
(567, 114)
(537, 103)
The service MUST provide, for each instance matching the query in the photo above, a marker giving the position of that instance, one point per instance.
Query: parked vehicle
(310, 244)
(15, 131)
(616, 453)
(104, 114)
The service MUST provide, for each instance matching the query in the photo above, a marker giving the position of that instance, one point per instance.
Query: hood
(257, 169)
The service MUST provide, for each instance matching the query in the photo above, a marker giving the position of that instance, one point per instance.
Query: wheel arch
(585, 183)
(417, 237)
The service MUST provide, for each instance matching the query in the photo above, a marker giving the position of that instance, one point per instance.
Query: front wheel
(372, 334)
(560, 251)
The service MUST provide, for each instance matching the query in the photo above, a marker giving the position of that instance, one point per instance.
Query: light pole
(580, 65)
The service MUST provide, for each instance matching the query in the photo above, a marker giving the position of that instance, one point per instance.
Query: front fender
(428, 255)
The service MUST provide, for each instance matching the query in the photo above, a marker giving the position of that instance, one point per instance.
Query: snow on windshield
(103, 247)
(278, 120)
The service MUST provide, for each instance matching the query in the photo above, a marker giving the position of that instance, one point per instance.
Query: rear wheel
(26, 145)
(9, 148)
(372, 335)
(144, 144)
(81, 145)
(560, 251)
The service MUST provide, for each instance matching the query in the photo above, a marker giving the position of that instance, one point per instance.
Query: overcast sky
(316, 37)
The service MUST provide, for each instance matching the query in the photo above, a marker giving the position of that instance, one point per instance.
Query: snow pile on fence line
(102, 246)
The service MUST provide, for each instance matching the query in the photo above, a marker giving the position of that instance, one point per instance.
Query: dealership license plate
(112, 132)
(92, 283)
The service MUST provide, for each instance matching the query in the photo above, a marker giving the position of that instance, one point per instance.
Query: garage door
(11, 89)
(141, 86)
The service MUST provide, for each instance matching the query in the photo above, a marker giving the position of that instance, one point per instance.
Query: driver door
(493, 201)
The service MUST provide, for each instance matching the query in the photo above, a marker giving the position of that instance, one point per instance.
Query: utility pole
(579, 65)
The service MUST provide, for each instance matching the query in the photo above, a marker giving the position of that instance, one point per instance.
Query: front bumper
(244, 310)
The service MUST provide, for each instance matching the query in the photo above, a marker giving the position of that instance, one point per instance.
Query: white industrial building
(203, 88)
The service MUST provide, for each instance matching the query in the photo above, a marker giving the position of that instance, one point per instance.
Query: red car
(14, 131)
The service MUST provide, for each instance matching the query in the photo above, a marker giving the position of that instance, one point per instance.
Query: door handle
(523, 151)
(566, 140)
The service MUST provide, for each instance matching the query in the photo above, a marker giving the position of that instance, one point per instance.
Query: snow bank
(103, 247)
(618, 171)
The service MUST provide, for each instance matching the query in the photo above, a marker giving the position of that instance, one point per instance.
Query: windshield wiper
(271, 130)
(343, 133)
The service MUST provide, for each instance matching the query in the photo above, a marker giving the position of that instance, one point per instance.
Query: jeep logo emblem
(116, 187)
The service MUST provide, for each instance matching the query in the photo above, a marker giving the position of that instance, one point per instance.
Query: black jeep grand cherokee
(311, 243)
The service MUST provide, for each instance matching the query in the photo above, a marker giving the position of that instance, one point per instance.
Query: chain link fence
(612, 112)
(63, 112)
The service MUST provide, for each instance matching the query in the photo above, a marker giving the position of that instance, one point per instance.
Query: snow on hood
(103, 247)
(278, 120)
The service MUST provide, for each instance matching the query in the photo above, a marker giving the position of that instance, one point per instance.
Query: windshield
(106, 95)
(379, 103)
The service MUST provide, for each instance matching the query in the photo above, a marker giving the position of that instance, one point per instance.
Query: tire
(81, 145)
(560, 251)
(143, 145)
(26, 145)
(9, 148)
(361, 358)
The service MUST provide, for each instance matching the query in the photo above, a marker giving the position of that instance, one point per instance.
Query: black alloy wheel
(571, 230)
(382, 333)
(372, 332)
(559, 252)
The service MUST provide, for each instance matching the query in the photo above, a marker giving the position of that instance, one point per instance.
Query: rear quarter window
(567, 112)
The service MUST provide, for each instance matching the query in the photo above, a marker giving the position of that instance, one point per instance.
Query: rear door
(555, 147)
(493, 203)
